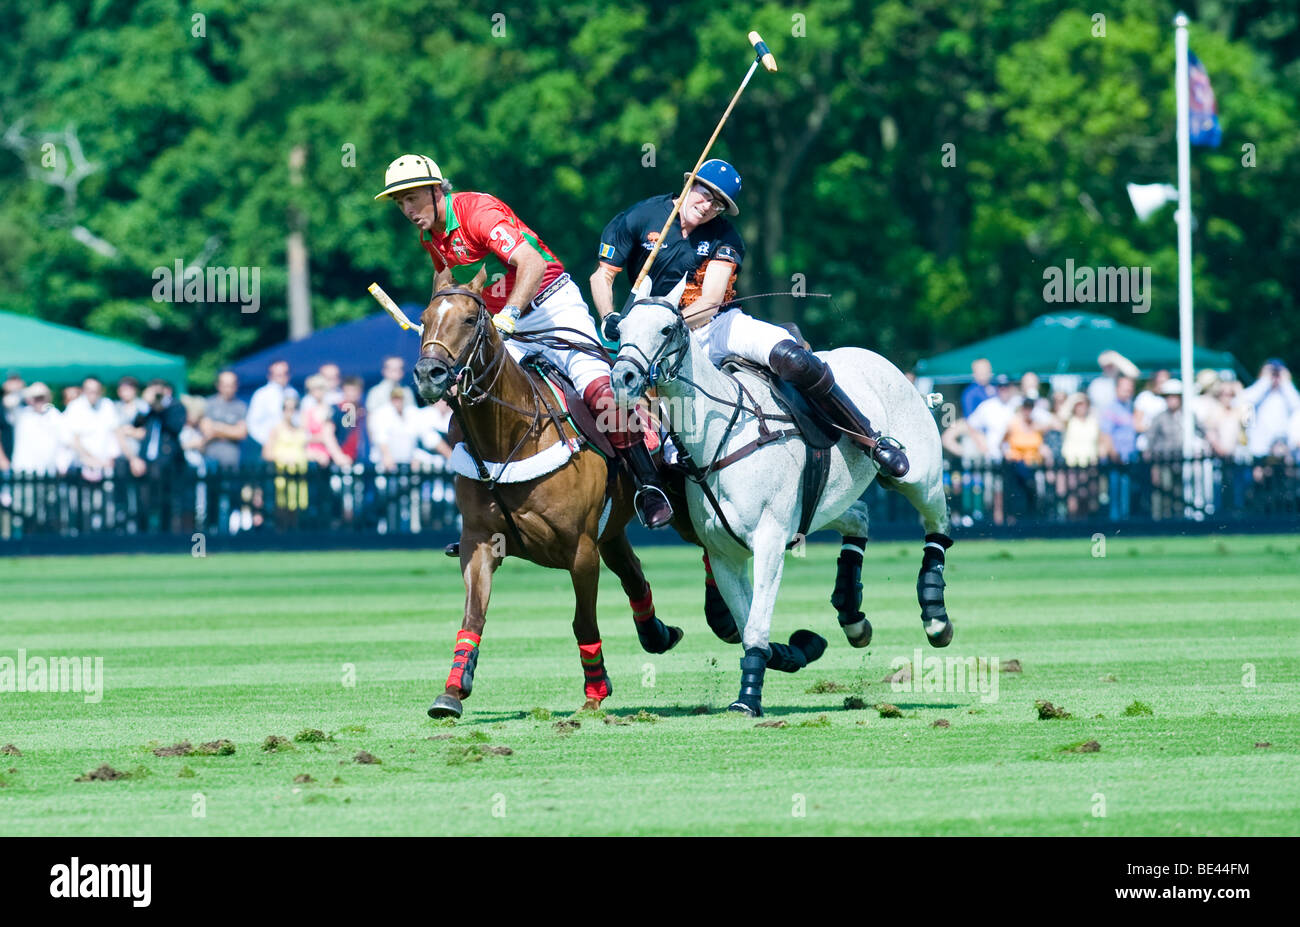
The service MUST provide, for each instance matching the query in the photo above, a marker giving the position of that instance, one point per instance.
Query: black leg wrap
(718, 615)
(752, 666)
(929, 591)
(847, 597)
(786, 659)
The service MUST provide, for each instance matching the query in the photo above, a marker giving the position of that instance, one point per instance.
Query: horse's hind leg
(716, 612)
(655, 636)
(847, 597)
(478, 561)
(585, 574)
(930, 502)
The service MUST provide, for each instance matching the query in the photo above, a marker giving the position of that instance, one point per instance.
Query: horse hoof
(812, 645)
(858, 633)
(591, 704)
(938, 633)
(445, 706)
(675, 635)
(742, 708)
(452, 550)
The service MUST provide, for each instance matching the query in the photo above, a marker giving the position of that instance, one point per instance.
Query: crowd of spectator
(1016, 429)
(143, 428)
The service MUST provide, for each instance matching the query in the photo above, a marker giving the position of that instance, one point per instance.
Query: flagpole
(1184, 219)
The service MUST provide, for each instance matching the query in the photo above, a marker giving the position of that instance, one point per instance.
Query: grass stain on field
(263, 636)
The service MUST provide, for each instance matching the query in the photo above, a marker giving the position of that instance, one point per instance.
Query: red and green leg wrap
(464, 659)
(652, 632)
(598, 686)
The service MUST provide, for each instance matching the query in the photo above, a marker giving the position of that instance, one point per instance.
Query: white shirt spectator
(38, 441)
(381, 394)
(1101, 392)
(991, 418)
(398, 432)
(126, 413)
(265, 410)
(1272, 407)
(95, 427)
(1150, 405)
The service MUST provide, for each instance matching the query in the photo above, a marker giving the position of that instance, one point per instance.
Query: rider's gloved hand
(609, 326)
(506, 320)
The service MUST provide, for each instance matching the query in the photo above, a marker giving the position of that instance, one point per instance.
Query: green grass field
(242, 647)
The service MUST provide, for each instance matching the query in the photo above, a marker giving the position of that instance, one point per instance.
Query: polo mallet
(761, 54)
(394, 310)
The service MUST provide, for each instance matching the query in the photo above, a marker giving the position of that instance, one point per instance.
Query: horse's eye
(668, 330)
(469, 321)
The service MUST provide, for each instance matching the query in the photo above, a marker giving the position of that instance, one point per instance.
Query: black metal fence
(268, 507)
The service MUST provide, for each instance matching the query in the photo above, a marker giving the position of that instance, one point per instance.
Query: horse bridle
(460, 363)
(653, 369)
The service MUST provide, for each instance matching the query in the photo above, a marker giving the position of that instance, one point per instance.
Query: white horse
(760, 494)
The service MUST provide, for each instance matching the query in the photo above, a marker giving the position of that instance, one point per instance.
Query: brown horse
(569, 518)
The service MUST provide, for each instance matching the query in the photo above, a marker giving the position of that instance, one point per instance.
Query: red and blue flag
(1203, 111)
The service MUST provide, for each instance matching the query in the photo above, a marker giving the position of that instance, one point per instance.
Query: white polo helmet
(410, 170)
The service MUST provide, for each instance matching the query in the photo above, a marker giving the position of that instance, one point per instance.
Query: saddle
(818, 434)
(570, 403)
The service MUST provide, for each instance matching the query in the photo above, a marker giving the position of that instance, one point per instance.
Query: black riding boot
(652, 506)
(815, 380)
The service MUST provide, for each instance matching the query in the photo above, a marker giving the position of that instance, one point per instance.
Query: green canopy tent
(57, 354)
(1068, 343)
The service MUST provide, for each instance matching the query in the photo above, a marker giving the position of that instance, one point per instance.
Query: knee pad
(801, 367)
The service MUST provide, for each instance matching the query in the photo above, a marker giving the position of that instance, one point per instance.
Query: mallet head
(761, 50)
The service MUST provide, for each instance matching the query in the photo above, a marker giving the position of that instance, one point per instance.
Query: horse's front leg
(478, 561)
(585, 574)
(769, 561)
(655, 636)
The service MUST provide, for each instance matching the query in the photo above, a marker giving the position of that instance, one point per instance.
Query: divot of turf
(540, 714)
(221, 747)
(819, 721)
(771, 724)
(615, 719)
(566, 727)
(942, 722)
(1047, 711)
(303, 779)
(185, 773)
(701, 710)
(104, 773)
(1262, 745)
(823, 686)
(10, 750)
(888, 711)
(1083, 746)
(1109, 677)
(366, 758)
(1011, 666)
(274, 743)
(853, 703)
(643, 716)
(903, 674)
(184, 748)
(361, 728)
(1138, 710)
(309, 735)
(441, 737)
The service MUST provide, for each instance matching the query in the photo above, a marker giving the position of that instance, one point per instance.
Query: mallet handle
(393, 309)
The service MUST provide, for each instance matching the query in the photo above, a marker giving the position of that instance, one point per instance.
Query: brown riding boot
(816, 382)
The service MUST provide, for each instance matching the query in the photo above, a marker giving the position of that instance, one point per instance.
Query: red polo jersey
(482, 232)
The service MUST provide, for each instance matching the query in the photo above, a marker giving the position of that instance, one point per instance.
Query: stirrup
(639, 501)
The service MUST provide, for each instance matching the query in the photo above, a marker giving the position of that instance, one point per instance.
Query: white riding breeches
(563, 309)
(734, 332)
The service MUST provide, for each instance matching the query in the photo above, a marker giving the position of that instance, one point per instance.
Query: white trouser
(733, 332)
(563, 309)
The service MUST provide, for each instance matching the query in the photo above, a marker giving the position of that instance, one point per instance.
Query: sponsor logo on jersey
(702, 248)
(458, 246)
(607, 251)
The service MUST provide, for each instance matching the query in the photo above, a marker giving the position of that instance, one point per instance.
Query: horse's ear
(480, 279)
(443, 279)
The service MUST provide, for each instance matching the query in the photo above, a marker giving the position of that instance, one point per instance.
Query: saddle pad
(571, 403)
(815, 429)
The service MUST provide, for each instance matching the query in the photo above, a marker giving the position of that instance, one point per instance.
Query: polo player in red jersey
(528, 292)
